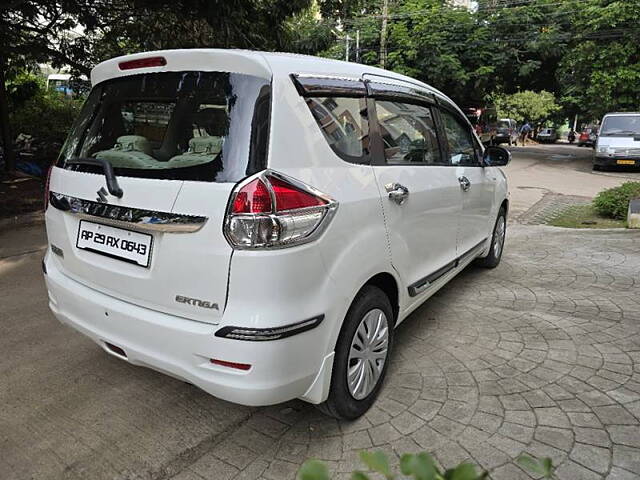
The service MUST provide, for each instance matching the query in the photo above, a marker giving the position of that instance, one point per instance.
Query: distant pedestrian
(524, 133)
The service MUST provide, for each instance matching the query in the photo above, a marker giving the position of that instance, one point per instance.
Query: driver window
(460, 140)
(408, 133)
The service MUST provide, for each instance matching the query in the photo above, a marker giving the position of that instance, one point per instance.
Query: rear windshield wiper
(112, 181)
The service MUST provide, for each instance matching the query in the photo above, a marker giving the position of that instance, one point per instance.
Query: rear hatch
(177, 141)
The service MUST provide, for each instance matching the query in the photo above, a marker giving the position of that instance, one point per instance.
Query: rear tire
(368, 354)
(492, 260)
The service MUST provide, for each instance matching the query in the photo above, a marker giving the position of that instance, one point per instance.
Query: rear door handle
(465, 184)
(397, 192)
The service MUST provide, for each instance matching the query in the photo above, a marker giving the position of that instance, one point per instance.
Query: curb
(23, 220)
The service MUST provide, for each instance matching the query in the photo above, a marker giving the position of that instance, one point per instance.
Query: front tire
(362, 355)
(492, 260)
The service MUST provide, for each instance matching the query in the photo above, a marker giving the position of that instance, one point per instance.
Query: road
(557, 168)
(541, 355)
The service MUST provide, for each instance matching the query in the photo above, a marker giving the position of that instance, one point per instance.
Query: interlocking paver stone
(540, 355)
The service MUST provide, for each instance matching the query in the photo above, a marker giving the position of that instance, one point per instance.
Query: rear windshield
(204, 126)
(627, 125)
(504, 124)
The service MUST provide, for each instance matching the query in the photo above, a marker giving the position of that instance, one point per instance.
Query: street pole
(346, 49)
(357, 46)
(383, 34)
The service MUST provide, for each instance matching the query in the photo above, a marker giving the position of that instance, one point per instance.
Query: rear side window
(204, 126)
(343, 121)
(409, 134)
(459, 139)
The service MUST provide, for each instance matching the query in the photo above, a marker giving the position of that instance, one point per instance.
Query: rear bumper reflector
(265, 334)
(237, 366)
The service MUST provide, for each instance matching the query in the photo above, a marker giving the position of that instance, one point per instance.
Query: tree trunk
(7, 137)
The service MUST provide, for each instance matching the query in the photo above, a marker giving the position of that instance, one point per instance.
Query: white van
(258, 224)
(618, 142)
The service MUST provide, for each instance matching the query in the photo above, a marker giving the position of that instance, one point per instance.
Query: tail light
(271, 210)
(46, 188)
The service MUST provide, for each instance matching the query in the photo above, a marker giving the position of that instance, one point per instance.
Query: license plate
(133, 247)
(626, 162)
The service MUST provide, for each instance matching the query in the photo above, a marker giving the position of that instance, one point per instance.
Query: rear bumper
(280, 370)
(607, 161)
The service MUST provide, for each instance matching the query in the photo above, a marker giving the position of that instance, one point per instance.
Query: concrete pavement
(541, 355)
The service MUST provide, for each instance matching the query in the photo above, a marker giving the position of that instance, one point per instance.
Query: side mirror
(495, 156)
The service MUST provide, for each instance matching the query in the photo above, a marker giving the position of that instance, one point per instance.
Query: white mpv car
(258, 224)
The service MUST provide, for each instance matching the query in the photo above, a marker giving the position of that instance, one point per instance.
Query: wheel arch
(389, 285)
(505, 205)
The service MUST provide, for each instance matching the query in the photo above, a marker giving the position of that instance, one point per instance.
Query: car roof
(620, 113)
(267, 65)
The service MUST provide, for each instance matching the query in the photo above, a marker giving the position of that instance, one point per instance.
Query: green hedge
(614, 202)
(47, 115)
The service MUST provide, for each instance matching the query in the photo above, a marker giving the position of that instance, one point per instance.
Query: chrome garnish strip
(127, 217)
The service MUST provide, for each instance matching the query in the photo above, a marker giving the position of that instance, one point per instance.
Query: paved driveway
(541, 355)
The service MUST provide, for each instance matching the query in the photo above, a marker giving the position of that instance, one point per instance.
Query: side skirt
(424, 283)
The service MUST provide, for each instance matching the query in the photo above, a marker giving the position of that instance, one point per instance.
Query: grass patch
(584, 216)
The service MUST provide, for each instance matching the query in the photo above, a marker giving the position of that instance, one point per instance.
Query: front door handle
(465, 184)
(398, 193)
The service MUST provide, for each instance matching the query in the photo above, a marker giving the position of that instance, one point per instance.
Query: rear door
(420, 193)
(178, 142)
(476, 183)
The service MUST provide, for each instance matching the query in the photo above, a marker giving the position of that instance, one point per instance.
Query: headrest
(205, 145)
(133, 143)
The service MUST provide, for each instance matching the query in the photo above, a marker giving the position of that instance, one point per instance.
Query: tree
(533, 107)
(602, 73)
(81, 33)
(586, 53)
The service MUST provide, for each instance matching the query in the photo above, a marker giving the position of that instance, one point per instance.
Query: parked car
(506, 132)
(547, 135)
(588, 137)
(618, 143)
(257, 224)
(484, 121)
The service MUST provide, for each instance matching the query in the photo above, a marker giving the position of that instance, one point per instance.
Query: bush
(614, 202)
(420, 466)
(47, 116)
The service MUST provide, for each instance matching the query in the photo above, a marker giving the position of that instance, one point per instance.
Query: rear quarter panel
(354, 247)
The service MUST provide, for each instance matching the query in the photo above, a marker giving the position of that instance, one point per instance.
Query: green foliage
(587, 53)
(542, 466)
(377, 462)
(602, 72)
(313, 470)
(614, 202)
(420, 466)
(534, 107)
(46, 115)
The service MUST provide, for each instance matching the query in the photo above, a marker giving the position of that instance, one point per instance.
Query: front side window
(459, 139)
(343, 122)
(174, 125)
(409, 134)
